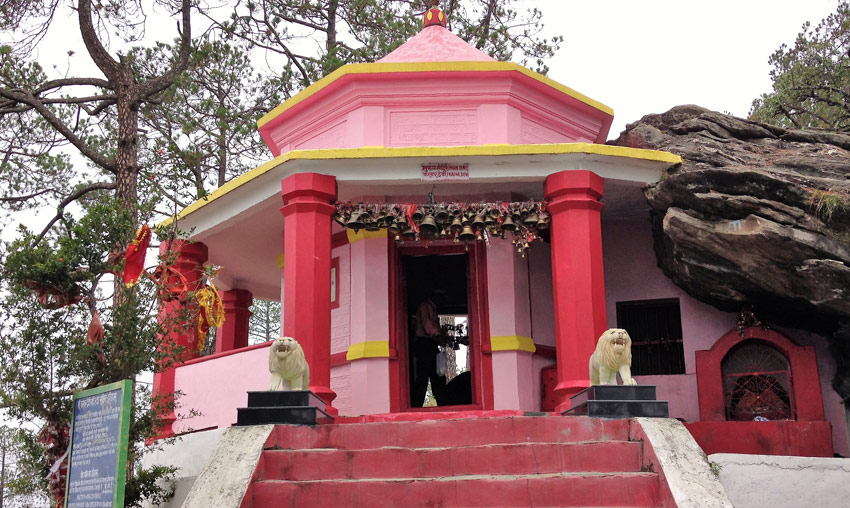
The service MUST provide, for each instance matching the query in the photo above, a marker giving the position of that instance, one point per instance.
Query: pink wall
(217, 386)
(341, 332)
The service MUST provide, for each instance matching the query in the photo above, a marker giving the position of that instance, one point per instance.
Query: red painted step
(394, 462)
(563, 490)
(501, 461)
(440, 433)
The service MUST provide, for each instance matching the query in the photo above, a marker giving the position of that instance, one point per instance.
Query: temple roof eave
(387, 167)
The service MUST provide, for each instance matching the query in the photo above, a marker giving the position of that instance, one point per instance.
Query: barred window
(655, 327)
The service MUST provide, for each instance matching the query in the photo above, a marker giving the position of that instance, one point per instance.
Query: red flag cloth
(134, 259)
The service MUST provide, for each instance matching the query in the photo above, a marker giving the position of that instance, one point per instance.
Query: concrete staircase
(487, 462)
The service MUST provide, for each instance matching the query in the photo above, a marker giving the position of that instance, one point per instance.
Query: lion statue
(613, 354)
(288, 365)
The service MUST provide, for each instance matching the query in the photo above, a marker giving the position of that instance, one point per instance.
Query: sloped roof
(436, 44)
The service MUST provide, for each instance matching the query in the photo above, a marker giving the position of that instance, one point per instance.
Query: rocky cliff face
(755, 215)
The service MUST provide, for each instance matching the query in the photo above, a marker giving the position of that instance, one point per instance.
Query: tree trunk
(222, 156)
(126, 157)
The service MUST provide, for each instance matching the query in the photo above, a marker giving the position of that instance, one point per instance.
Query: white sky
(646, 57)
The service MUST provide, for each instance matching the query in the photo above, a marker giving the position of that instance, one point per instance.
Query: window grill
(757, 384)
(655, 327)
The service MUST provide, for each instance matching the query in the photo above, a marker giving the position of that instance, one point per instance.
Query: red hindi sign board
(440, 171)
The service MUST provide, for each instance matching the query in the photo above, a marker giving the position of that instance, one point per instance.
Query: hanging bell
(530, 220)
(355, 222)
(508, 224)
(543, 222)
(428, 228)
(417, 216)
(373, 224)
(442, 215)
(490, 220)
(478, 224)
(408, 234)
(456, 226)
(495, 213)
(466, 235)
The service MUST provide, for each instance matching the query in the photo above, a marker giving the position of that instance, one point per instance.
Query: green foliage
(44, 354)
(18, 479)
(811, 79)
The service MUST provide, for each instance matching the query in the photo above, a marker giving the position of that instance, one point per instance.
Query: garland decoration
(461, 222)
(210, 314)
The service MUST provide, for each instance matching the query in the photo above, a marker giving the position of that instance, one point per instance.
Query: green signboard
(97, 467)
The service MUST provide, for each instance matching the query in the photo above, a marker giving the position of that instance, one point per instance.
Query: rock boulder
(755, 215)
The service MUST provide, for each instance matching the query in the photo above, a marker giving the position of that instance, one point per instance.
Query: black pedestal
(295, 407)
(618, 401)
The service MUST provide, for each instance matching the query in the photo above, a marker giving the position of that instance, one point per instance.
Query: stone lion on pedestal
(613, 354)
(288, 365)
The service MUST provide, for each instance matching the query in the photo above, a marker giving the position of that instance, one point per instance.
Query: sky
(646, 57)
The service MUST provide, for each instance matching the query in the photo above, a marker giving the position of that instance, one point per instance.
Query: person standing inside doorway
(428, 338)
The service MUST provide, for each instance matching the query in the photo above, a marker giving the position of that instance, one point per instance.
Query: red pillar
(233, 334)
(188, 259)
(577, 275)
(307, 212)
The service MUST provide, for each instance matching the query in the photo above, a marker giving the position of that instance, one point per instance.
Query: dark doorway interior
(447, 276)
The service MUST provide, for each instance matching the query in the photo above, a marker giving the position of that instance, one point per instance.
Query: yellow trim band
(428, 151)
(363, 234)
(512, 343)
(279, 259)
(389, 67)
(368, 349)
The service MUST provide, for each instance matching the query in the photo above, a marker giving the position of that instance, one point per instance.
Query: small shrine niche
(757, 384)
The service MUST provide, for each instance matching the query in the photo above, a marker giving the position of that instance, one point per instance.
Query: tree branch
(77, 194)
(17, 199)
(104, 61)
(22, 96)
(58, 83)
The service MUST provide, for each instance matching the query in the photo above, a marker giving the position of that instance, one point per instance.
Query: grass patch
(827, 203)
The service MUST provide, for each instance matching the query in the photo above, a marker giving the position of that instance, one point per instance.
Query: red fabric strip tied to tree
(134, 259)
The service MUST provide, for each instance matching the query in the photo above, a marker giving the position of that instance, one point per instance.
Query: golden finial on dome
(434, 16)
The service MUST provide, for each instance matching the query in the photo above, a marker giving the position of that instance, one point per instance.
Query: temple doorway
(436, 291)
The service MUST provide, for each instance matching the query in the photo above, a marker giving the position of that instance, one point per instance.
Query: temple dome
(434, 90)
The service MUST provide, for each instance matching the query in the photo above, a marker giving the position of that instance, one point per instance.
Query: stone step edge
(284, 408)
(429, 448)
(472, 477)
